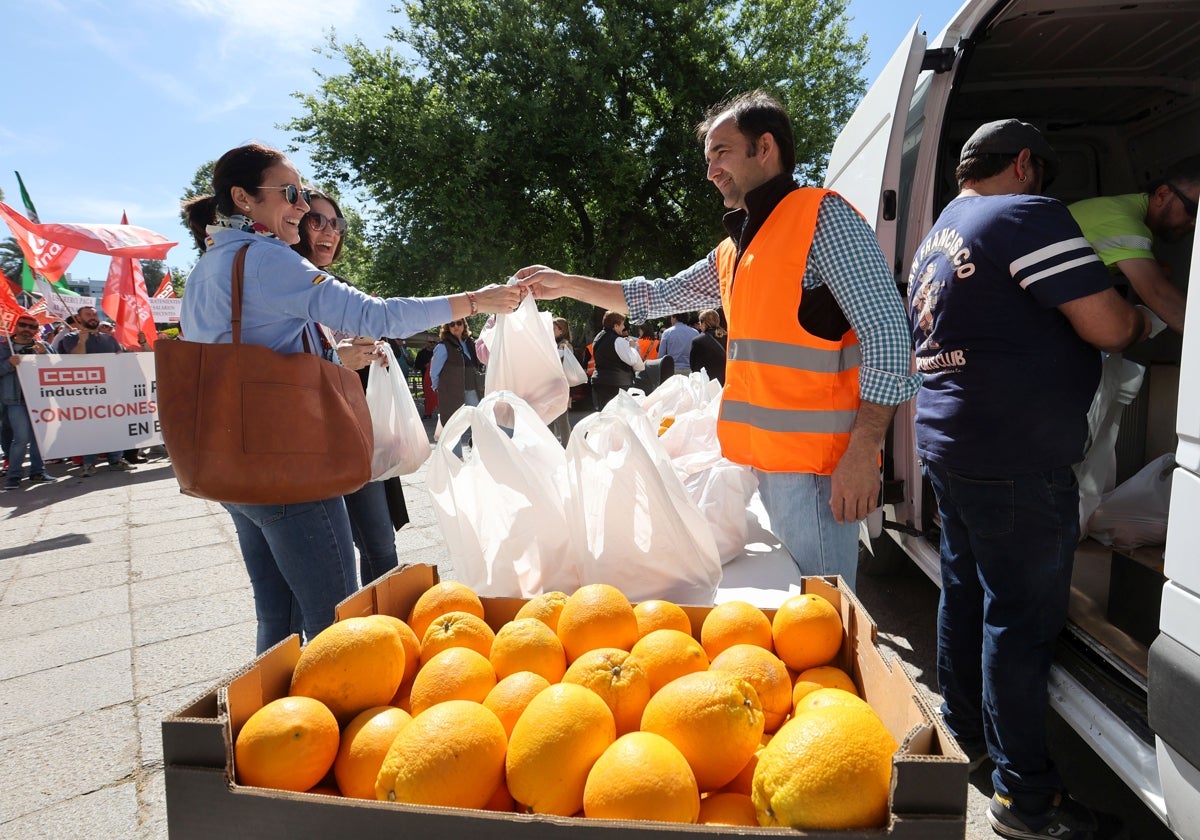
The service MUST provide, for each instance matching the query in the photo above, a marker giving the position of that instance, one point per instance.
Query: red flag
(10, 310)
(49, 259)
(126, 302)
(165, 289)
(114, 240)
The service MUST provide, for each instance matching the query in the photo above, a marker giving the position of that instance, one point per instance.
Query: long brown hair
(241, 167)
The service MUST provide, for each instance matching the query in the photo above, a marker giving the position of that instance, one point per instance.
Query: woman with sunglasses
(304, 551)
(377, 509)
(455, 369)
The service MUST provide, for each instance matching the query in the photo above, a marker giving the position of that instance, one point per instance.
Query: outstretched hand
(543, 282)
(499, 299)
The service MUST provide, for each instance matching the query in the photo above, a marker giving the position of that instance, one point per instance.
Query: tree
(563, 131)
(11, 258)
(153, 272)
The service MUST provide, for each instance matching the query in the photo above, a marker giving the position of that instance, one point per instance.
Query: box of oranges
(426, 710)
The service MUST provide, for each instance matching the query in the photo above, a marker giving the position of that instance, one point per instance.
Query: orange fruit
(527, 644)
(714, 718)
(554, 744)
(822, 676)
(451, 754)
(661, 615)
(828, 768)
(828, 697)
(454, 674)
(546, 608)
(412, 646)
(743, 782)
(667, 654)
(641, 776)
(807, 632)
(456, 629)
(501, 800)
(439, 599)
(351, 665)
(288, 744)
(512, 694)
(734, 623)
(617, 679)
(365, 743)
(596, 615)
(767, 673)
(727, 809)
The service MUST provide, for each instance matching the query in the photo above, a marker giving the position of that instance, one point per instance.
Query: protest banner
(166, 310)
(95, 402)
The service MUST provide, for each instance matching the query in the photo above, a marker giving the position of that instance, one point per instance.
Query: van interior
(1115, 87)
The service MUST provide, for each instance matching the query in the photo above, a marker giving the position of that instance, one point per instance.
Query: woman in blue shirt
(300, 558)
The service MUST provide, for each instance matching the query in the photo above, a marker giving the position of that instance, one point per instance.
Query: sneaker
(1066, 819)
(122, 465)
(43, 478)
(88, 470)
(8, 485)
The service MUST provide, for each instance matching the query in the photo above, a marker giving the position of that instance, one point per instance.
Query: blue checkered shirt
(846, 257)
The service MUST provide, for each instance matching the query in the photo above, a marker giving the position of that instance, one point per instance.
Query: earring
(1022, 179)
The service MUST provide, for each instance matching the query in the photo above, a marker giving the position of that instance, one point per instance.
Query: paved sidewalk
(121, 601)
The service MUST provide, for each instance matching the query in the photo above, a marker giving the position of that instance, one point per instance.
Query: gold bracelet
(471, 299)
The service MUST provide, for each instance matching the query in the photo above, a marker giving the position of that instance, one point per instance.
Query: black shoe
(1066, 819)
(43, 477)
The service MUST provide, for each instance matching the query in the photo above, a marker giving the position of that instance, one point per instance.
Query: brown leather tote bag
(246, 425)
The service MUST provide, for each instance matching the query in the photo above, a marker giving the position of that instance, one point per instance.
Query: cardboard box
(929, 778)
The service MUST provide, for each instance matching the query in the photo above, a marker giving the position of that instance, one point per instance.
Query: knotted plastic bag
(401, 444)
(524, 360)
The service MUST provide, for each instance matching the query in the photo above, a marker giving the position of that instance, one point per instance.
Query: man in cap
(1009, 306)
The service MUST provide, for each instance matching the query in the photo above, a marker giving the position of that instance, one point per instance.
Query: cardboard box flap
(393, 594)
(268, 678)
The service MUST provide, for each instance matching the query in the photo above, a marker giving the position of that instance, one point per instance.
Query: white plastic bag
(524, 360)
(1135, 513)
(502, 509)
(1120, 381)
(644, 534)
(401, 444)
(574, 371)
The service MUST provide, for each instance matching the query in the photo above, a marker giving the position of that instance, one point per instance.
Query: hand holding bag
(401, 444)
(246, 425)
(524, 360)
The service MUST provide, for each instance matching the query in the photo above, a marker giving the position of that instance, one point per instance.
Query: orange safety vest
(648, 347)
(790, 397)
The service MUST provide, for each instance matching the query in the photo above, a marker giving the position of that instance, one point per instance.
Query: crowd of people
(814, 347)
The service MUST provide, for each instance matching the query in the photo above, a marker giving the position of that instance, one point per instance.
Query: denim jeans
(371, 525)
(1007, 548)
(113, 457)
(302, 553)
(798, 507)
(22, 437)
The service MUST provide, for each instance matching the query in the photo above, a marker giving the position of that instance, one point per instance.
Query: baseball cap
(1009, 137)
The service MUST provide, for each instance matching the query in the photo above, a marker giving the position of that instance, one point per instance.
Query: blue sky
(117, 104)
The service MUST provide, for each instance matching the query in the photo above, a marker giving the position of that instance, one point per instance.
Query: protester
(373, 521)
(616, 357)
(304, 550)
(66, 328)
(1008, 305)
(22, 342)
(708, 348)
(90, 337)
(802, 410)
(1123, 229)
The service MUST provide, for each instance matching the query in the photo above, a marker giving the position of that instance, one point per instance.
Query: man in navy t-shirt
(1009, 309)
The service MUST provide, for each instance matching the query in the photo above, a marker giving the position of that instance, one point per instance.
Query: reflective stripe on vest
(790, 398)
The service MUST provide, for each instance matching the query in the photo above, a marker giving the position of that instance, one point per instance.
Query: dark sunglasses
(25, 325)
(291, 193)
(457, 323)
(318, 222)
(1189, 206)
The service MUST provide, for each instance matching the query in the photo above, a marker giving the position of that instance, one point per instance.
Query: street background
(122, 600)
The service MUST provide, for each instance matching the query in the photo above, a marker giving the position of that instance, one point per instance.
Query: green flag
(29, 208)
(27, 277)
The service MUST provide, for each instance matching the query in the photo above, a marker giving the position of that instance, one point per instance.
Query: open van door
(864, 166)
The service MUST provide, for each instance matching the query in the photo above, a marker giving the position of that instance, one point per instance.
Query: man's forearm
(870, 427)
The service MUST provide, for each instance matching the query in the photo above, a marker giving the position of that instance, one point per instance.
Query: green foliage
(201, 185)
(561, 131)
(11, 258)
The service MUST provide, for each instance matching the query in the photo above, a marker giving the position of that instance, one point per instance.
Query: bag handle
(239, 266)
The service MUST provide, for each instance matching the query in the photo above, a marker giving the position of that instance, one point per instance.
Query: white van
(1115, 87)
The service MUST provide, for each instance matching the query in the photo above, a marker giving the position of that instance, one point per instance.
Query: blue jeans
(296, 554)
(1007, 548)
(371, 525)
(798, 507)
(22, 438)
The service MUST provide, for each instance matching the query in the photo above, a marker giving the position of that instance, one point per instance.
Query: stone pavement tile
(159, 512)
(35, 701)
(197, 538)
(185, 585)
(18, 621)
(107, 813)
(57, 583)
(66, 644)
(72, 758)
(114, 524)
(95, 511)
(190, 615)
(201, 657)
(146, 565)
(152, 806)
(151, 712)
(174, 523)
(83, 554)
